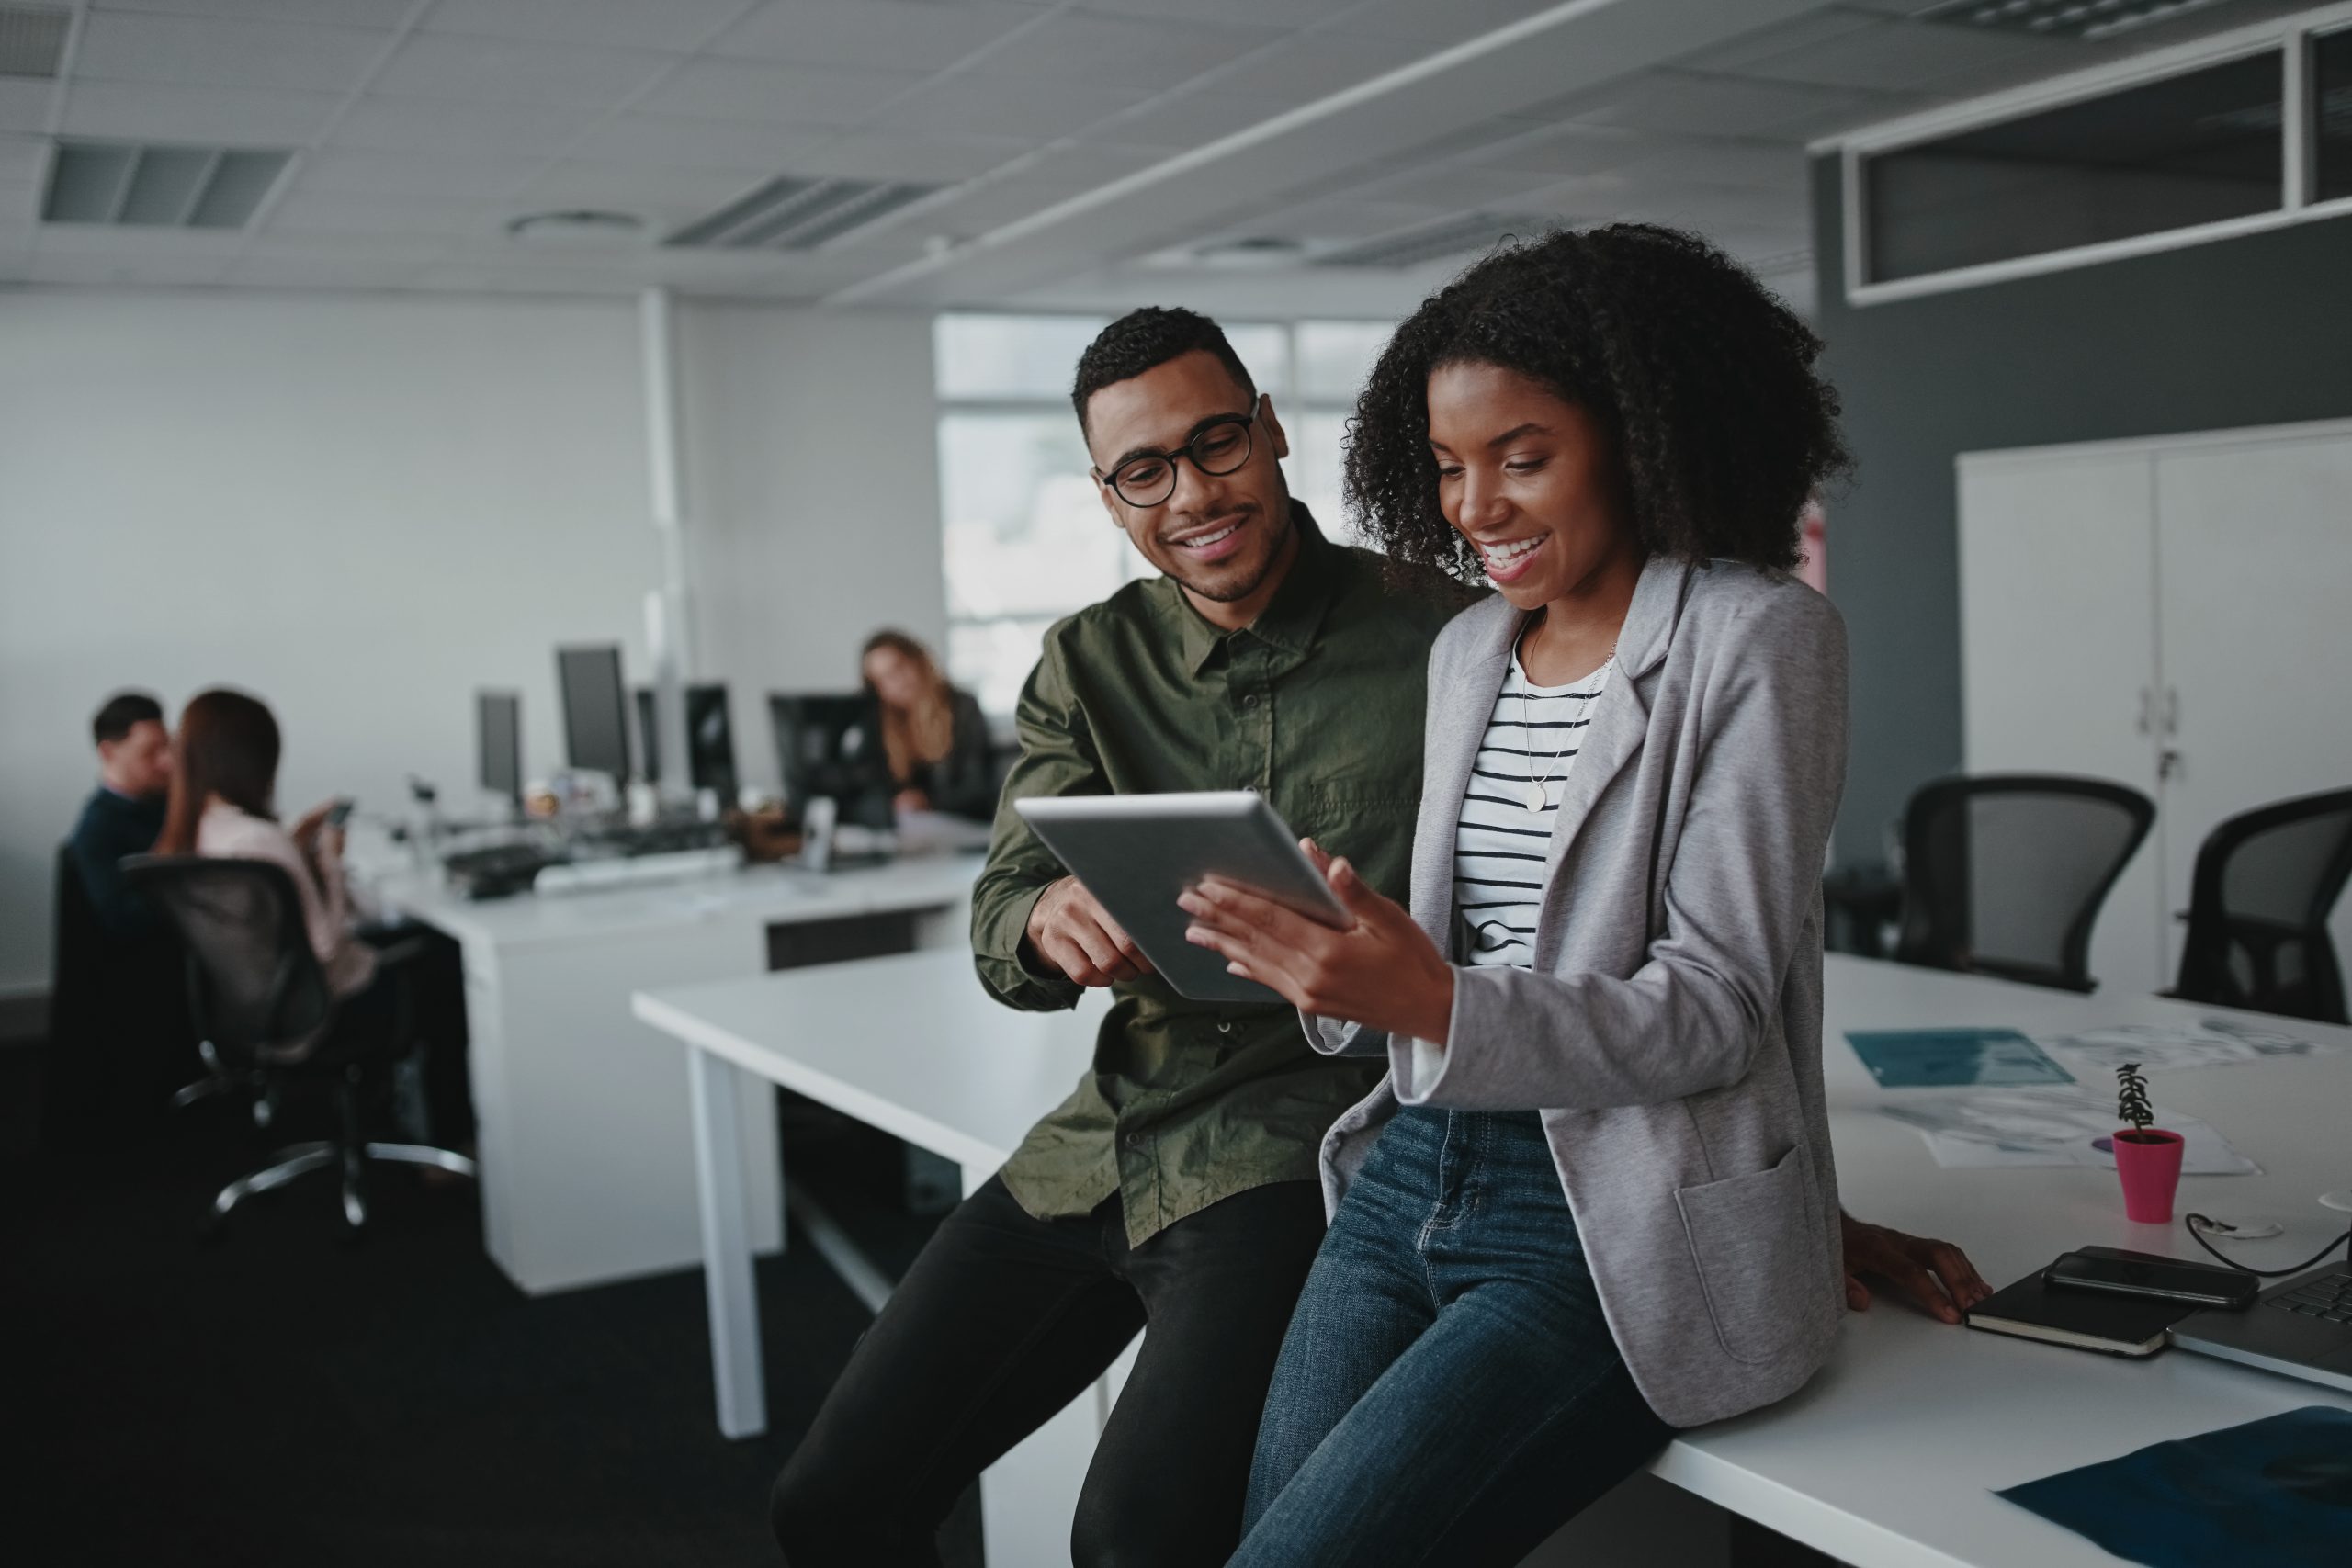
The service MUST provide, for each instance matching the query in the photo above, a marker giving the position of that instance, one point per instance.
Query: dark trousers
(1005, 1319)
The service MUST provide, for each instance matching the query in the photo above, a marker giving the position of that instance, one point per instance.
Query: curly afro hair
(1702, 381)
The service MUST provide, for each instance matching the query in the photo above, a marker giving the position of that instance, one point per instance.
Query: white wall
(812, 498)
(364, 507)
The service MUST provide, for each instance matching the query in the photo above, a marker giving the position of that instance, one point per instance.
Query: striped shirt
(1532, 740)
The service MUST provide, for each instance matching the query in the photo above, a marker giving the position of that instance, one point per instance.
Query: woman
(1592, 1203)
(222, 804)
(933, 735)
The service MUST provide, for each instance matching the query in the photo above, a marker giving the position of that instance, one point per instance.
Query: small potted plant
(2147, 1158)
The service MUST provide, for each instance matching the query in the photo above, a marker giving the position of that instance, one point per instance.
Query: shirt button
(1134, 1140)
(1250, 701)
(1225, 1026)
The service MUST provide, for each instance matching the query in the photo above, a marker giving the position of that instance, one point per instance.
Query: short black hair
(121, 711)
(1702, 380)
(1143, 340)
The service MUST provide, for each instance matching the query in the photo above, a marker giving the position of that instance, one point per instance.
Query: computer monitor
(595, 712)
(498, 737)
(711, 739)
(831, 744)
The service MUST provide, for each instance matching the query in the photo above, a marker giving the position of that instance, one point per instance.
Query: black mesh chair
(261, 1003)
(2258, 905)
(2004, 873)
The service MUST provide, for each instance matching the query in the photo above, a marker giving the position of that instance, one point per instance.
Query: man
(1177, 1185)
(126, 811)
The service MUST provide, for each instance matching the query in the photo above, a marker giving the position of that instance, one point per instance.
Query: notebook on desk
(2086, 1320)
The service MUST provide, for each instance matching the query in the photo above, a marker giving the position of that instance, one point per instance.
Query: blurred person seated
(933, 734)
(118, 1041)
(125, 813)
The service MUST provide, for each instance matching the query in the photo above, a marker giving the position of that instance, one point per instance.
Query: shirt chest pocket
(1373, 833)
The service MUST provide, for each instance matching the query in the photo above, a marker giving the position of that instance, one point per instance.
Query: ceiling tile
(232, 115)
(907, 35)
(322, 272)
(1191, 119)
(1264, 13)
(208, 53)
(1305, 69)
(1807, 30)
(1121, 52)
(348, 13)
(123, 272)
(875, 155)
(1706, 105)
(669, 142)
(23, 159)
(1762, 166)
(334, 212)
(781, 95)
(426, 125)
(449, 65)
(1452, 21)
(417, 176)
(24, 105)
(678, 25)
(1455, 187)
(1892, 56)
(105, 240)
(1004, 107)
(664, 197)
(1562, 149)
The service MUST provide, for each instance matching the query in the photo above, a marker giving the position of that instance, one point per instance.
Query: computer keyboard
(2328, 1296)
(629, 870)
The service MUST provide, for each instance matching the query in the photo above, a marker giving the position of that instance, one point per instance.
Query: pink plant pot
(2149, 1165)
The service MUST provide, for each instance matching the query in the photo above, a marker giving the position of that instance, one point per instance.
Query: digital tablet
(1137, 852)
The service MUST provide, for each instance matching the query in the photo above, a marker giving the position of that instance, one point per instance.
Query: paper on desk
(2049, 1126)
(2156, 1047)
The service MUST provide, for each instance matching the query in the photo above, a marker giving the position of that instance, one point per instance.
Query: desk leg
(734, 1294)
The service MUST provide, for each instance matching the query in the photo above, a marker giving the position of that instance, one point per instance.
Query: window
(2332, 111)
(1026, 539)
(2192, 148)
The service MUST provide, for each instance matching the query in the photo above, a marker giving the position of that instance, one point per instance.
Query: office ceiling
(1286, 156)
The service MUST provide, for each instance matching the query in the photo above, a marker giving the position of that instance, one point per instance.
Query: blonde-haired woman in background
(932, 732)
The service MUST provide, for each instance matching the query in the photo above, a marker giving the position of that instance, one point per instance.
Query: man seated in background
(126, 811)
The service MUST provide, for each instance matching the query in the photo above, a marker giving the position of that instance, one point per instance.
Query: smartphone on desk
(2120, 1272)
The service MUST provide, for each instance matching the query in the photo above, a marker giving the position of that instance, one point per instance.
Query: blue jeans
(1449, 1392)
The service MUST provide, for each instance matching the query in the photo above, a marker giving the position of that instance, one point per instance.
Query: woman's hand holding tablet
(1380, 969)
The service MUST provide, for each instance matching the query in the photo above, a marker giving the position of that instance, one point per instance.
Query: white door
(2255, 583)
(2058, 633)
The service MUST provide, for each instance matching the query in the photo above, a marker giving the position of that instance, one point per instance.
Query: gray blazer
(1670, 1028)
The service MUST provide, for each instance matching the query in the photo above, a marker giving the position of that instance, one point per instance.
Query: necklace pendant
(1534, 798)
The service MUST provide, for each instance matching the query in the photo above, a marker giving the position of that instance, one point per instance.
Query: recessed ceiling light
(575, 226)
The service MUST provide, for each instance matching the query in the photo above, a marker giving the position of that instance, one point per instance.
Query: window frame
(2289, 37)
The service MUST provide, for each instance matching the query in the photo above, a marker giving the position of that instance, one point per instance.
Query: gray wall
(2252, 330)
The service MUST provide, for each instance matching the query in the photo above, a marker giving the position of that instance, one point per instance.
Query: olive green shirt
(1318, 707)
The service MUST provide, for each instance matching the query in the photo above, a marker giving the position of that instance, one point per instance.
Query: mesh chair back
(2259, 900)
(2004, 873)
(254, 987)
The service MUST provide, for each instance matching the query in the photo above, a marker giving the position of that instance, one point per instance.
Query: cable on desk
(2198, 1225)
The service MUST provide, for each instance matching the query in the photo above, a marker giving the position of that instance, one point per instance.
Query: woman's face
(894, 677)
(1527, 479)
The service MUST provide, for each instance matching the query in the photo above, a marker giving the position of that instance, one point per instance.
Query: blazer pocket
(1758, 1255)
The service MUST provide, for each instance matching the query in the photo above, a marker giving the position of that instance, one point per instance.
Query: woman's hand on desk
(1934, 1276)
(1382, 971)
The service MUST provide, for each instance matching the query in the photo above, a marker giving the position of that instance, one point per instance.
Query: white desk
(585, 1178)
(1887, 1459)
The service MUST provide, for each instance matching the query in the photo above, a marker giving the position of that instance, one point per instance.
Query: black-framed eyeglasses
(1218, 447)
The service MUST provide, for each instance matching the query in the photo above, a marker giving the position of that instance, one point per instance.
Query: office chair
(260, 1000)
(2265, 884)
(2004, 873)
(118, 1033)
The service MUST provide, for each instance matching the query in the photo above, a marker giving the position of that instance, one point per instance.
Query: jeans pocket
(1758, 1255)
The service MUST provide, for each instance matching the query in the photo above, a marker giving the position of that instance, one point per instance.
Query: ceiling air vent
(790, 213)
(32, 39)
(2090, 20)
(170, 187)
(1472, 232)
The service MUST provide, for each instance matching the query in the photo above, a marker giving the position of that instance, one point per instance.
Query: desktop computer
(710, 739)
(596, 709)
(831, 744)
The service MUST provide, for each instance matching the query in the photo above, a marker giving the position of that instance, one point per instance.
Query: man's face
(140, 764)
(1218, 534)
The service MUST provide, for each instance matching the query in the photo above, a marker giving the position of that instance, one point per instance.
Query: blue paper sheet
(1932, 1058)
(2276, 1492)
